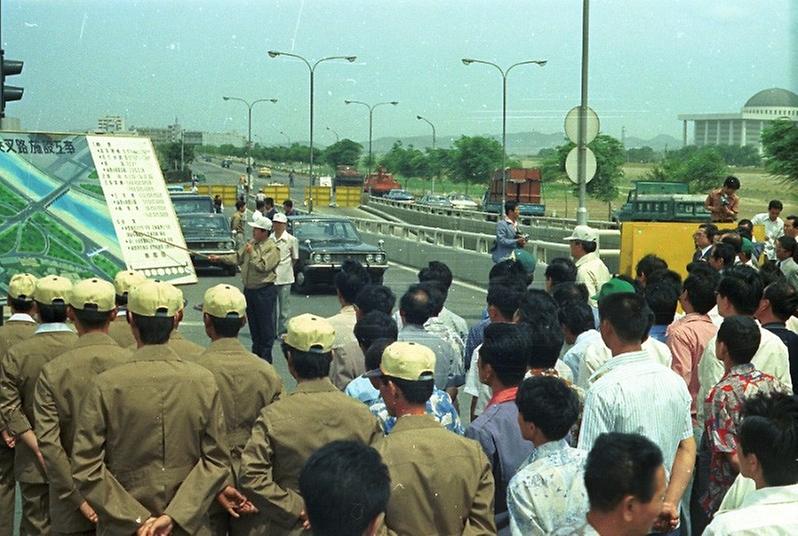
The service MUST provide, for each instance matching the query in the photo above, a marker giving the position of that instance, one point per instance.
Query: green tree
(780, 146)
(735, 155)
(641, 155)
(703, 168)
(170, 157)
(393, 160)
(610, 157)
(343, 152)
(475, 159)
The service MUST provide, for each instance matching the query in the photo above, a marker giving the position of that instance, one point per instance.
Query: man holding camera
(723, 203)
(507, 236)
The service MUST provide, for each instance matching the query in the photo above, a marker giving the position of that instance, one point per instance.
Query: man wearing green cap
(120, 329)
(246, 383)
(19, 370)
(294, 427)
(19, 326)
(148, 453)
(441, 483)
(60, 389)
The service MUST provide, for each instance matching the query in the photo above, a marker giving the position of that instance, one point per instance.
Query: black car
(325, 242)
(208, 234)
(226, 163)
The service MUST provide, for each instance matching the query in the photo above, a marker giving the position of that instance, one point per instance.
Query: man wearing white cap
(289, 254)
(590, 269)
(258, 260)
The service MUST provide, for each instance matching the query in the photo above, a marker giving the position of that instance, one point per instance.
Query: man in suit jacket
(506, 233)
(704, 237)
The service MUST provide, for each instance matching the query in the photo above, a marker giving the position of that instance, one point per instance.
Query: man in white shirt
(785, 252)
(576, 319)
(346, 354)
(590, 269)
(767, 450)
(288, 246)
(774, 226)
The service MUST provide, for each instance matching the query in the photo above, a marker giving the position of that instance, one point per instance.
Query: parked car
(463, 202)
(265, 171)
(325, 242)
(400, 196)
(434, 200)
(662, 201)
(226, 163)
(175, 188)
(208, 234)
(191, 203)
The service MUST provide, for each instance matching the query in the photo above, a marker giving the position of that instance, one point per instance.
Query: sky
(152, 61)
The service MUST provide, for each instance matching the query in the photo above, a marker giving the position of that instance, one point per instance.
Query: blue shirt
(361, 389)
(475, 336)
(439, 406)
(657, 332)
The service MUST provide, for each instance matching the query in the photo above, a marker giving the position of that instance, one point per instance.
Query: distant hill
(658, 143)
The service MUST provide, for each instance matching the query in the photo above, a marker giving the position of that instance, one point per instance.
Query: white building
(111, 123)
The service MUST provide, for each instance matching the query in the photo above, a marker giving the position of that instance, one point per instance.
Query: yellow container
(321, 195)
(348, 196)
(278, 192)
(228, 192)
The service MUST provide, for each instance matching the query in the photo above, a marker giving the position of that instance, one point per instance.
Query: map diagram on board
(56, 218)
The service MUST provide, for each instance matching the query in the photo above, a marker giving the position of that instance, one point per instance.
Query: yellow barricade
(348, 196)
(278, 192)
(228, 192)
(321, 195)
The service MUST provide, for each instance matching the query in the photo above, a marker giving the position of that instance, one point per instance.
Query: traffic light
(8, 93)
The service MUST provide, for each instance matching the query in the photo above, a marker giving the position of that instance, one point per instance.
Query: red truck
(380, 183)
(523, 186)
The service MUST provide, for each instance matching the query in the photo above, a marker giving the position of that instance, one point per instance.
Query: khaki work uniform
(247, 384)
(148, 441)
(441, 483)
(19, 371)
(61, 387)
(120, 331)
(283, 438)
(184, 348)
(348, 360)
(11, 333)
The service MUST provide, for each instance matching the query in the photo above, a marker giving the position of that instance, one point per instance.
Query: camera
(724, 200)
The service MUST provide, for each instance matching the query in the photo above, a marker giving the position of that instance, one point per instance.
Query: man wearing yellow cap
(441, 483)
(148, 453)
(246, 383)
(183, 347)
(294, 427)
(19, 326)
(19, 370)
(60, 389)
(120, 329)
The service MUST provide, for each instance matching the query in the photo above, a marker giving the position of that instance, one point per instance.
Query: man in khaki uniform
(246, 383)
(148, 453)
(183, 347)
(441, 483)
(120, 329)
(19, 371)
(19, 326)
(62, 384)
(258, 260)
(294, 427)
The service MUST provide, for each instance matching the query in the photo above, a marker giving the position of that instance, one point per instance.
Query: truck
(347, 176)
(662, 201)
(523, 186)
(380, 182)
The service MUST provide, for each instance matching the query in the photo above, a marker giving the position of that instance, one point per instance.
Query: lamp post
(337, 137)
(433, 143)
(504, 73)
(312, 69)
(371, 117)
(249, 133)
(286, 137)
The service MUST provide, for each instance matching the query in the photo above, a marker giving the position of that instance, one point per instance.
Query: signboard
(572, 165)
(572, 124)
(68, 209)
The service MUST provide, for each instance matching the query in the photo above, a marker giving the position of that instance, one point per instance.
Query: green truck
(662, 201)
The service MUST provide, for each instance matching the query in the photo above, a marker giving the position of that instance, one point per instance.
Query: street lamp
(371, 117)
(249, 133)
(433, 143)
(312, 69)
(337, 137)
(504, 73)
(286, 137)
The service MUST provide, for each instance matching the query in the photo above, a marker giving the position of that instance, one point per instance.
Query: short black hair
(561, 270)
(769, 429)
(537, 305)
(504, 348)
(745, 223)
(373, 353)
(259, 204)
(438, 271)
(51, 312)
(775, 203)
(668, 276)
(120, 300)
(619, 465)
(415, 392)
(91, 319)
(350, 280)
(153, 329)
(724, 252)
(545, 339)
(415, 305)
(375, 325)
(628, 314)
(577, 316)
(700, 288)
(588, 245)
(19, 305)
(783, 299)
(509, 272)
(742, 287)
(240, 204)
(794, 219)
(701, 268)
(375, 298)
(345, 486)
(741, 336)
(504, 298)
(770, 273)
(227, 327)
(732, 182)
(734, 239)
(568, 292)
(437, 295)
(269, 201)
(510, 206)
(662, 298)
(650, 263)
(308, 365)
(549, 403)
(288, 203)
(787, 242)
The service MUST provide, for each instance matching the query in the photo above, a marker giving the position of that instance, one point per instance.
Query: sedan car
(325, 242)
(463, 202)
(207, 234)
(434, 200)
(190, 203)
(400, 196)
(265, 171)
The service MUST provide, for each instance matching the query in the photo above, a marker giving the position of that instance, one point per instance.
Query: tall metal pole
(371, 116)
(420, 118)
(249, 106)
(337, 136)
(581, 212)
(371, 122)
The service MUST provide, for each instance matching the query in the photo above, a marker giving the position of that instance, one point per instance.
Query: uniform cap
(280, 218)
(154, 298)
(180, 302)
(52, 289)
(95, 294)
(22, 287)
(747, 247)
(126, 280)
(222, 301)
(584, 233)
(407, 361)
(614, 286)
(310, 333)
(261, 222)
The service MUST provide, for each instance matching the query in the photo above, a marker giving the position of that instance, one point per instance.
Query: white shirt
(773, 230)
(257, 214)
(21, 317)
(597, 354)
(592, 271)
(52, 327)
(575, 355)
(288, 246)
(771, 511)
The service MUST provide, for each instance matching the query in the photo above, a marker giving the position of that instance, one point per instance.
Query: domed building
(743, 128)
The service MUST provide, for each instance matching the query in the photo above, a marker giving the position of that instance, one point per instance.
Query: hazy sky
(152, 61)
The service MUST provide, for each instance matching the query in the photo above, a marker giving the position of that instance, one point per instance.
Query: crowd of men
(598, 406)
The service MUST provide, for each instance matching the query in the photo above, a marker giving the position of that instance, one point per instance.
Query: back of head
(504, 298)
(351, 280)
(307, 346)
(770, 431)
(92, 302)
(508, 270)
(770, 273)
(20, 292)
(345, 486)
(537, 305)
(373, 353)
(504, 348)
(550, 403)
(668, 276)
(576, 316)
(52, 295)
(153, 306)
(783, 299)
(436, 271)
(700, 288)
(650, 263)
(375, 325)
(628, 314)
(437, 295)
(662, 298)
(569, 292)
(545, 340)
(732, 182)
(269, 201)
(710, 229)
(741, 336)
(260, 204)
(621, 465)
(742, 287)
(416, 306)
(561, 270)
(734, 240)
(375, 298)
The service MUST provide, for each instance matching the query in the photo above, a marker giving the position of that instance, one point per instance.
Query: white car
(463, 202)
